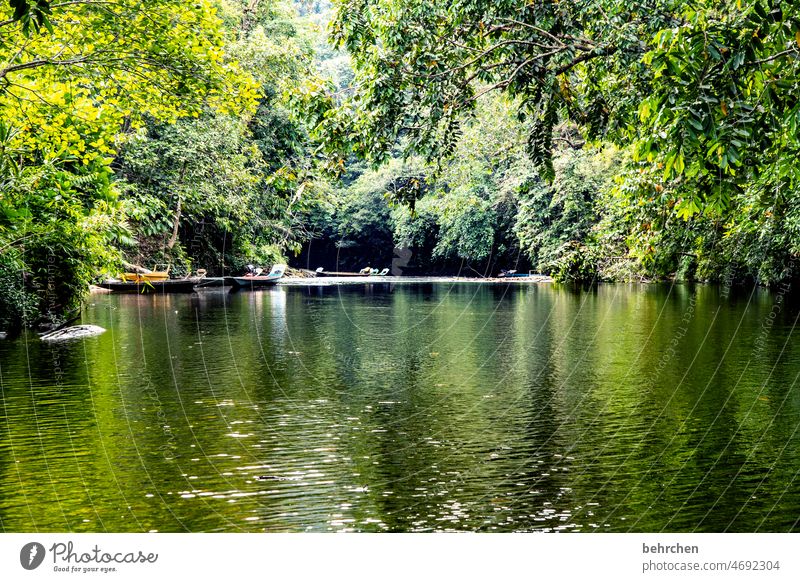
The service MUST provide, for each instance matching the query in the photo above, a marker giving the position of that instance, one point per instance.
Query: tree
(68, 96)
(453, 218)
(108, 64)
(557, 219)
(723, 117)
(197, 178)
(221, 191)
(31, 13)
(437, 59)
(708, 90)
(702, 96)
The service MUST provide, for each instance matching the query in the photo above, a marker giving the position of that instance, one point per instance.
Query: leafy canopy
(706, 90)
(69, 96)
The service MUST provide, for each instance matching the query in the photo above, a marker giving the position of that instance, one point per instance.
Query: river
(413, 407)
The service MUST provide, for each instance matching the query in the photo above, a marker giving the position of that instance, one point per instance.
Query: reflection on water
(409, 408)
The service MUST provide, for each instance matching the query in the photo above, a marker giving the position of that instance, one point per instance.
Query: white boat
(254, 281)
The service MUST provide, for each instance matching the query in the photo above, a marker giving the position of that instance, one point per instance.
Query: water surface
(420, 407)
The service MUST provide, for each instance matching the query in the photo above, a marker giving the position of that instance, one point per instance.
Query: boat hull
(168, 286)
(253, 282)
(142, 277)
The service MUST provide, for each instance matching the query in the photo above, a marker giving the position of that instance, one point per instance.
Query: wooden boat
(256, 281)
(169, 286)
(513, 274)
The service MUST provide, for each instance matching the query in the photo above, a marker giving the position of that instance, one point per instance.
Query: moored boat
(512, 274)
(338, 274)
(254, 281)
(167, 286)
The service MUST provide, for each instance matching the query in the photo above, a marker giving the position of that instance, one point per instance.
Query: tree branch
(585, 57)
(40, 63)
(773, 57)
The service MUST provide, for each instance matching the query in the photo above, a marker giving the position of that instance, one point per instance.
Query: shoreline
(388, 279)
(371, 280)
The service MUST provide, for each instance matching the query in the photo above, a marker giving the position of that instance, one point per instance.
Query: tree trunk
(248, 17)
(173, 239)
(176, 224)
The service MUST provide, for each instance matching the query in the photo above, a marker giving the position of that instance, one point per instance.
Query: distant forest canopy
(692, 108)
(591, 140)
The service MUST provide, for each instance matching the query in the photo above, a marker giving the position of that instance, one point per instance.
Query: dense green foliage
(70, 93)
(700, 98)
(595, 139)
(219, 191)
(460, 216)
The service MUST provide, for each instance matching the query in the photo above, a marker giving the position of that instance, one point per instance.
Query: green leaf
(687, 208)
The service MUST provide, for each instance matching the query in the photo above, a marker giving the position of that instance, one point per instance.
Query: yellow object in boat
(155, 275)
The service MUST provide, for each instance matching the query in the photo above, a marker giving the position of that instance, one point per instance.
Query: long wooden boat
(515, 275)
(169, 286)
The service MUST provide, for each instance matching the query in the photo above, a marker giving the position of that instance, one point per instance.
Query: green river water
(417, 407)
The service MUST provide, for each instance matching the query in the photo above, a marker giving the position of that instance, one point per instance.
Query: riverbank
(387, 280)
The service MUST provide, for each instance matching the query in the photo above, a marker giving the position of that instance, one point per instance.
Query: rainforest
(596, 140)
(400, 266)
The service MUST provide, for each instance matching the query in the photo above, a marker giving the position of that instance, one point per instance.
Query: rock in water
(73, 332)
